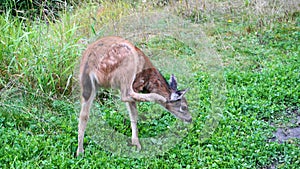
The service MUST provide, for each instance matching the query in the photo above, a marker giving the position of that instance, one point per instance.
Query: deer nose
(189, 120)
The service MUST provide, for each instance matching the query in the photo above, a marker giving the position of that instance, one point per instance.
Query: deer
(114, 62)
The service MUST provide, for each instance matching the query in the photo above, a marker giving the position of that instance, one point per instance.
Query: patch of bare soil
(286, 133)
(291, 131)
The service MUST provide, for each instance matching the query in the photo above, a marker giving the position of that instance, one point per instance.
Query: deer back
(109, 60)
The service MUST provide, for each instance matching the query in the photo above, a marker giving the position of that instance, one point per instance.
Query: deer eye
(184, 108)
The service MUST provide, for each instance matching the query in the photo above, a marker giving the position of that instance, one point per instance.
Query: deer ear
(178, 94)
(182, 92)
(173, 83)
(174, 96)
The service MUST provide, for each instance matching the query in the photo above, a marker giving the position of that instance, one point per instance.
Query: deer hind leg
(128, 95)
(150, 97)
(133, 114)
(88, 93)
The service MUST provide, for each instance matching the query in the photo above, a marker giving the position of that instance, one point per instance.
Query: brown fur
(151, 81)
(113, 62)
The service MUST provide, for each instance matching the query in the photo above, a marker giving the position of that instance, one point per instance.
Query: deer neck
(151, 81)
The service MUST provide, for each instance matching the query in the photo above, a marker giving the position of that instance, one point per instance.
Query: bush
(36, 9)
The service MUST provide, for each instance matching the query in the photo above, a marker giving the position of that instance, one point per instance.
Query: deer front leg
(131, 107)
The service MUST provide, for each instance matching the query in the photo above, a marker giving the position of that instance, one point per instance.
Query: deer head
(177, 103)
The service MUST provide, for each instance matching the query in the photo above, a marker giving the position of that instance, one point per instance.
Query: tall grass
(38, 56)
(41, 56)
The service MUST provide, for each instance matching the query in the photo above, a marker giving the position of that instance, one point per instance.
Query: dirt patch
(283, 134)
(286, 133)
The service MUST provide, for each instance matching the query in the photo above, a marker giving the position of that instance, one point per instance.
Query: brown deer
(113, 62)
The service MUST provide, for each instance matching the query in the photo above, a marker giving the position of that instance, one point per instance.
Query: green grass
(39, 102)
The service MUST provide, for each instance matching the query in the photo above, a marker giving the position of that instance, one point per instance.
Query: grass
(259, 48)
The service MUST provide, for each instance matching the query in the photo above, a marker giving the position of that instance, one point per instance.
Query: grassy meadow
(240, 60)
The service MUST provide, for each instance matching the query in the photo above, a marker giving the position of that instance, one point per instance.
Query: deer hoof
(79, 152)
(136, 142)
(162, 100)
